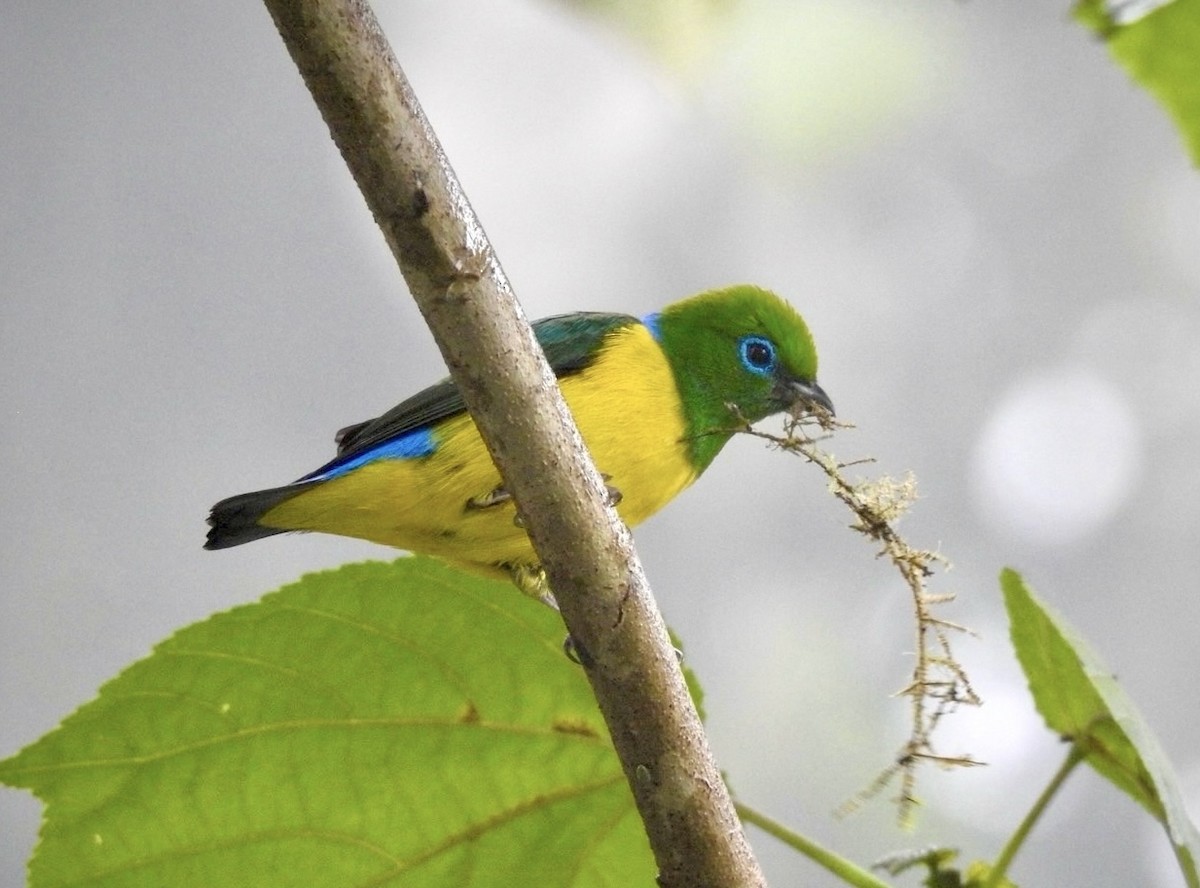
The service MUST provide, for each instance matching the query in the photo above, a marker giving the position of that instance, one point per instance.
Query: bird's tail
(234, 521)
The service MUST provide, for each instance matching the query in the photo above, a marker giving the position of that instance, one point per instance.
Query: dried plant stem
(938, 683)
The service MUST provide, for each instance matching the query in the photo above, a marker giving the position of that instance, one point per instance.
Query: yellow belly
(628, 410)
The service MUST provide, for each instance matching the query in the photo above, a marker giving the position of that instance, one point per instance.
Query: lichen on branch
(938, 683)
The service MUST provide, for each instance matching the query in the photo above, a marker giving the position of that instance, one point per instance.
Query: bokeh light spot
(1058, 456)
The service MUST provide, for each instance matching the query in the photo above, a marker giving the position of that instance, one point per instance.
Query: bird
(655, 398)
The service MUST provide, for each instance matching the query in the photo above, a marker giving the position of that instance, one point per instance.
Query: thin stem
(848, 872)
(996, 876)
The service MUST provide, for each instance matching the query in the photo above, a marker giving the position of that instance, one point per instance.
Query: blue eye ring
(757, 354)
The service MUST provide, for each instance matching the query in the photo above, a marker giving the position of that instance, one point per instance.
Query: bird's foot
(531, 580)
(577, 653)
(499, 496)
(614, 495)
(495, 498)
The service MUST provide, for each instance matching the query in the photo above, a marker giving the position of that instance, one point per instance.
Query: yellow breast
(628, 410)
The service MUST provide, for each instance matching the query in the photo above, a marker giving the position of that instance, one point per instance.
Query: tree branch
(586, 551)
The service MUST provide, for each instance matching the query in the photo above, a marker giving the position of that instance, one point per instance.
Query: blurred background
(994, 235)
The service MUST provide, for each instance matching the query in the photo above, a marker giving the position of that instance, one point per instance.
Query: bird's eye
(758, 354)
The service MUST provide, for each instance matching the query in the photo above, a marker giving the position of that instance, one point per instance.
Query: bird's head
(739, 354)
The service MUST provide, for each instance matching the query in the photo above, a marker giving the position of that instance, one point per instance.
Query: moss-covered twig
(938, 683)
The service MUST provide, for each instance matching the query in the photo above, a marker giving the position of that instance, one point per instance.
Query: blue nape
(650, 322)
(410, 445)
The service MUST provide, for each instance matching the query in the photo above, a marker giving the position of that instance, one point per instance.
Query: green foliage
(939, 862)
(980, 873)
(1160, 51)
(680, 33)
(399, 724)
(408, 724)
(1080, 699)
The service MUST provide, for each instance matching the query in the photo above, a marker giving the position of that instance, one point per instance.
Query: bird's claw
(531, 580)
(499, 496)
(495, 498)
(614, 495)
(577, 653)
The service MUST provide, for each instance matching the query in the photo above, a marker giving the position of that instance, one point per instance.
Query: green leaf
(680, 33)
(938, 861)
(1080, 699)
(1160, 50)
(979, 872)
(381, 724)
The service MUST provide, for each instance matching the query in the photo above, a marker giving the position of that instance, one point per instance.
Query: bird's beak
(806, 395)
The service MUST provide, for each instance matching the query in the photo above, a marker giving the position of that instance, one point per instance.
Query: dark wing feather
(570, 342)
(440, 401)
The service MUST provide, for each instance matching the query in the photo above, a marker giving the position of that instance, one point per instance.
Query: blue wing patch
(410, 445)
(650, 322)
